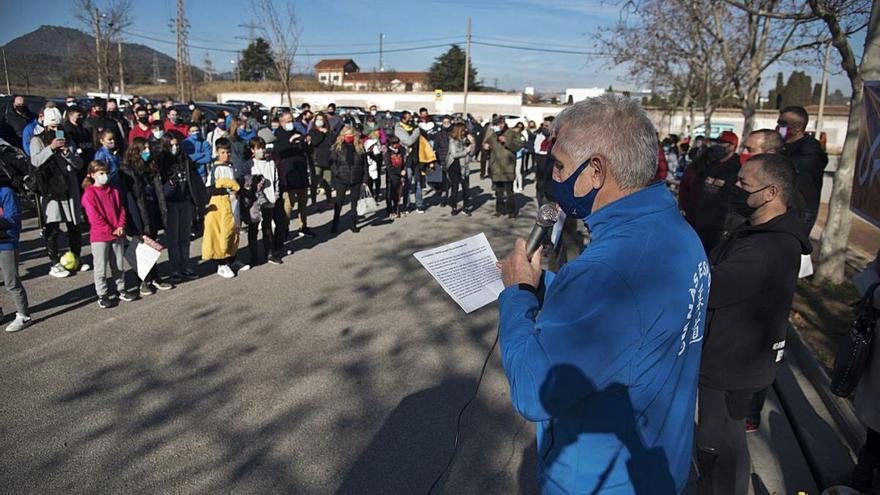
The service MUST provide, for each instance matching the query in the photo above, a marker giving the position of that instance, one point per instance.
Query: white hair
(615, 127)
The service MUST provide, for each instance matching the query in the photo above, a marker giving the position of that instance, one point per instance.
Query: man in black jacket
(808, 158)
(712, 214)
(754, 275)
(293, 169)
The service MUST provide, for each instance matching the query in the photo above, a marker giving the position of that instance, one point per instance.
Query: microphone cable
(461, 412)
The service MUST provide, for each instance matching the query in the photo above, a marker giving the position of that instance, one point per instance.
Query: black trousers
(458, 179)
(722, 451)
(51, 231)
(505, 202)
(273, 241)
(542, 175)
(340, 190)
(755, 407)
(394, 190)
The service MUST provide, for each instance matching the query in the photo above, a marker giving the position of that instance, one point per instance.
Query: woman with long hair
(347, 162)
(461, 147)
(241, 152)
(321, 140)
(185, 196)
(140, 186)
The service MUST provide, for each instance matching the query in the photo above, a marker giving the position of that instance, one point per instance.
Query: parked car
(512, 120)
(714, 132)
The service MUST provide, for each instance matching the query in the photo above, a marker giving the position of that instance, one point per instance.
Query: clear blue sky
(345, 26)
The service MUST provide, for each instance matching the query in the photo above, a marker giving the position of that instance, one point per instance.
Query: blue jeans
(415, 182)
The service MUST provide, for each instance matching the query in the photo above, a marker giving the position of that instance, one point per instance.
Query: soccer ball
(69, 261)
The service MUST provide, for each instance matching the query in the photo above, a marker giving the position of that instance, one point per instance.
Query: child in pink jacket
(103, 206)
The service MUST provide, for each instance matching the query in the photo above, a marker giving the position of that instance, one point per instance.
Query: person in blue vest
(604, 355)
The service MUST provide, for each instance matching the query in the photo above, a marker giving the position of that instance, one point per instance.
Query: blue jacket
(26, 134)
(607, 364)
(10, 219)
(199, 151)
(109, 158)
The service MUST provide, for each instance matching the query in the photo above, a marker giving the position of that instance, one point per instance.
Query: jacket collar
(652, 199)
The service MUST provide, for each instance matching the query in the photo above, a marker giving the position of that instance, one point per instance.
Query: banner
(866, 181)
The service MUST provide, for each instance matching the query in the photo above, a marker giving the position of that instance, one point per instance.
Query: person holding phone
(59, 189)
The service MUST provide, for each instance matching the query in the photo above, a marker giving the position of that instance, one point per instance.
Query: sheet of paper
(142, 257)
(466, 270)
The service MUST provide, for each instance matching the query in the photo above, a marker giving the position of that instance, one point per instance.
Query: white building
(574, 95)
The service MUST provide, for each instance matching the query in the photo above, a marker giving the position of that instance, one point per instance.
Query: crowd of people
(142, 174)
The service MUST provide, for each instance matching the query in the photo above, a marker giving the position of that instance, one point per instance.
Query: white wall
(479, 104)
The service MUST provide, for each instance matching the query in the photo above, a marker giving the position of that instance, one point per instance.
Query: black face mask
(143, 119)
(739, 201)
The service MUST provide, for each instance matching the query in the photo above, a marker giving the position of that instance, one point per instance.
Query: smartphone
(59, 134)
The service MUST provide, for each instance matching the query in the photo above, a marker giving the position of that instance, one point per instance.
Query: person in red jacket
(141, 128)
(174, 123)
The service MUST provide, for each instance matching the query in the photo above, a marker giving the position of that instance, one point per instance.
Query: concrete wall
(479, 104)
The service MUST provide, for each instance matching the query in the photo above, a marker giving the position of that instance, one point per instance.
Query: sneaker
(175, 278)
(58, 271)
(128, 296)
(225, 272)
(84, 267)
(157, 284)
(189, 274)
(104, 303)
(420, 210)
(146, 289)
(19, 323)
(751, 427)
(240, 267)
(275, 260)
(307, 232)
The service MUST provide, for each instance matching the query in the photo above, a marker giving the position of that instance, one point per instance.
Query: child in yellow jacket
(220, 239)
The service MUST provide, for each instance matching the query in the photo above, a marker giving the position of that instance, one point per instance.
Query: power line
(529, 42)
(544, 50)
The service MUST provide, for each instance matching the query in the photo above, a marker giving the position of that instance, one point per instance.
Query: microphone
(547, 216)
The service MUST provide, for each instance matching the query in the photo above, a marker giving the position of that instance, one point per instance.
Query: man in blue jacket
(198, 149)
(605, 354)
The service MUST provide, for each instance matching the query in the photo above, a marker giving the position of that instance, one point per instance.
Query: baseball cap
(728, 137)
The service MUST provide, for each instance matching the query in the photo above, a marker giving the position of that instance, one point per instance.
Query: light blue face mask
(571, 205)
(145, 155)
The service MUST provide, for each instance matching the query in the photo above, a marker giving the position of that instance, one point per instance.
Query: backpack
(50, 179)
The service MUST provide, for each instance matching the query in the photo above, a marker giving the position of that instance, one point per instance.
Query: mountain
(58, 57)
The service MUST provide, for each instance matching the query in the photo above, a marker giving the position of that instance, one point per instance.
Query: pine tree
(447, 72)
(256, 61)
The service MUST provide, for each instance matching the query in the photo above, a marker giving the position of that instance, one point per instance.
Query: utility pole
(6, 73)
(496, 84)
(467, 70)
(121, 78)
(381, 61)
(155, 69)
(209, 68)
(183, 80)
(98, 49)
(824, 90)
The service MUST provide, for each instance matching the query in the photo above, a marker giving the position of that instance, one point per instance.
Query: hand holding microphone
(523, 265)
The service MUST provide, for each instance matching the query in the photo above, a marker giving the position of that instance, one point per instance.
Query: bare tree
(839, 17)
(106, 22)
(283, 34)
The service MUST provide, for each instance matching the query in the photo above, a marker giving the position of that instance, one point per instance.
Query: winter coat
(10, 219)
(293, 165)
(459, 149)
(754, 276)
(79, 137)
(441, 144)
(718, 183)
(199, 152)
(18, 121)
(65, 207)
(345, 173)
(109, 158)
(144, 201)
(689, 191)
(103, 205)
(503, 158)
(321, 143)
(239, 156)
(269, 172)
(181, 127)
(810, 161)
(180, 180)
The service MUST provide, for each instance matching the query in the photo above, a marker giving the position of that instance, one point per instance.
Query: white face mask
(783, 131)
(101, 179)
(110, 145)
(259, 154)
(288, 126)
(158, 134)
(174, 150)
(319, 123)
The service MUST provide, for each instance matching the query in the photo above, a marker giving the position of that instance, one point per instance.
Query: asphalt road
(340, 371)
